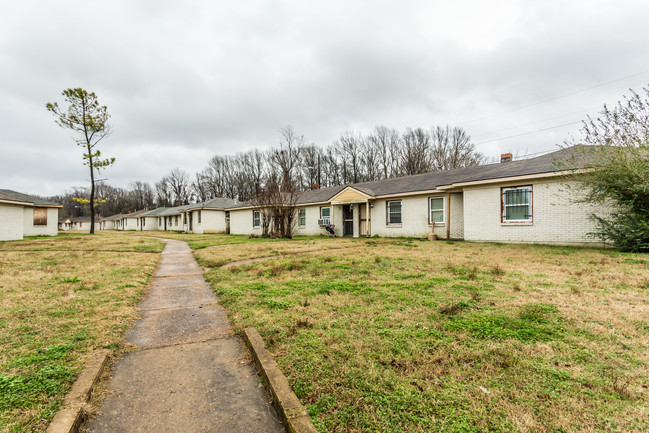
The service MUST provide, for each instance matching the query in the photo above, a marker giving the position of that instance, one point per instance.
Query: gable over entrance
(350, 195)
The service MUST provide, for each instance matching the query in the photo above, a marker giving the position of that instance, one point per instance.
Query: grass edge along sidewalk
(440, 335)
(62, 298)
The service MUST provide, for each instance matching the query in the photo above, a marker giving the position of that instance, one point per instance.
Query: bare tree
(414, 157)
(178, 182)
(163, 194)
(311, 166)
(385, 143)
(142, 194)
(452, 148)
(286, 158)
(276, 202)
(348, 149)
(201, 185)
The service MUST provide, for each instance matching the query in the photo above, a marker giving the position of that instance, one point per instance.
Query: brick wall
(11, 222)
(212, 221)
(557, 218)
(51, 229)
(311, 228)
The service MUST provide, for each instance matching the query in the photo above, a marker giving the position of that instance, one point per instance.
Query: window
(325, 213)
(40, 216)
(437, 214)
(394, 211)
(256, 220)
(516, 204)
(199, 216)
(159, 221)
(176, 219)
(143, 222)
(184, 218)
(302, 217)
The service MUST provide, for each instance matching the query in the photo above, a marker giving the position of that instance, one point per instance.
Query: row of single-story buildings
(529, 200)
(26, 215)
(206, 217)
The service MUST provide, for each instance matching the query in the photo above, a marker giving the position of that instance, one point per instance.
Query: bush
(617, 159)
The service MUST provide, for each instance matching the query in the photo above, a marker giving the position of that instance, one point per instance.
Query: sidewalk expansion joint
(189, 343)
(179, 275)
(180, 307)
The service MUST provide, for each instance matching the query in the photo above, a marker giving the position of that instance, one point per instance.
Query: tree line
(353, 157)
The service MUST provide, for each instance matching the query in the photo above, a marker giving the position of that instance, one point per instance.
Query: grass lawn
(60, 298)
(394, 335)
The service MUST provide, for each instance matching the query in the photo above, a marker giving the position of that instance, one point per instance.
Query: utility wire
(530, 132)
(536, 121)
(555, 98)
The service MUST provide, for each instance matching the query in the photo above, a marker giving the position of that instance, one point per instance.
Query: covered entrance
(355, 209)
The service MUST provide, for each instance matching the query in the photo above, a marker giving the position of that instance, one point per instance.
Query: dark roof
(429, 181)
(170, 211)
(215, 203)
(80, 219)
(548, 163)
(113, 217)
(155, 212)
(7, 194)
(137, 213)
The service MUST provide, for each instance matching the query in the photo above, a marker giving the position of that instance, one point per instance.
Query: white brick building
(515, 201)
(25, 215)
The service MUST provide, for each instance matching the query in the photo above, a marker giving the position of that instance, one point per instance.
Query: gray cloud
(184, 81)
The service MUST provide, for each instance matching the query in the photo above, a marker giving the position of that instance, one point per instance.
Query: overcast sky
(186, 80)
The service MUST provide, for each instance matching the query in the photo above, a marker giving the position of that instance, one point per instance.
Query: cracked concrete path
(191, 373)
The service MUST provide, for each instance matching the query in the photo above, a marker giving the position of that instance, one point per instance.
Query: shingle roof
(155, 212)
(137, 213)
(113, 217)
(430, 181)
(173, 210)
(551, 162)
(7, 194)
(80, 219)
(215, 203)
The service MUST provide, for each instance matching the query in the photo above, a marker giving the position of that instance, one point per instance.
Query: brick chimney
(219, 196)
(506, 157)
(315, 186)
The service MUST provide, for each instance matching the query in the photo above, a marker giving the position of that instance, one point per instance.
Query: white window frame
(301, 214)
(387, 211)
(322, 216)
(504, 205)
(258, 219)
(431, 210)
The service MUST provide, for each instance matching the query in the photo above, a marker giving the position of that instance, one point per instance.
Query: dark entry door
(190, 220)
(227, 221)
(348, 220)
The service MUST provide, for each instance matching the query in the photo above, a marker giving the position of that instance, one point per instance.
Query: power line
(528, 133)
(554, 98)
(536, 121)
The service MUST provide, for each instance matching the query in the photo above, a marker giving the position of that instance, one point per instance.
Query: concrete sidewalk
(191, 373)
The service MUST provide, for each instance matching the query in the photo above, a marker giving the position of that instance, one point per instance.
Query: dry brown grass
(61, 298)
(404, 335)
